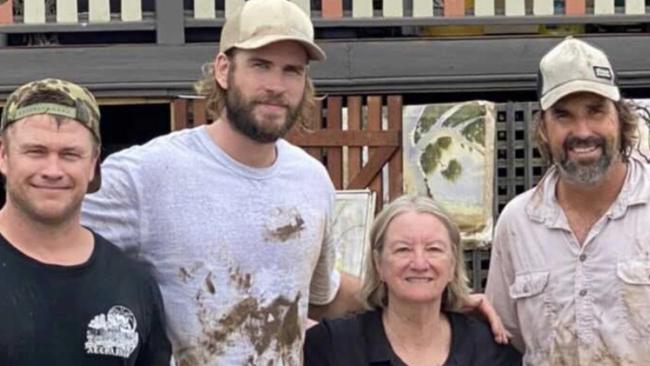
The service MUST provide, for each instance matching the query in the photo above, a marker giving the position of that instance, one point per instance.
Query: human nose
(275, 82)
(582, 127)
(52, 169)
(419, 260)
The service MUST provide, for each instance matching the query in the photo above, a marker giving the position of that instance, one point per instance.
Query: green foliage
(453, 171)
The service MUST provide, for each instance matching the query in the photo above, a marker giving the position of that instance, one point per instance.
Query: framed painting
(353, 214)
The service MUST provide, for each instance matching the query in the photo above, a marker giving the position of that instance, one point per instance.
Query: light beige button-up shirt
(567, 304)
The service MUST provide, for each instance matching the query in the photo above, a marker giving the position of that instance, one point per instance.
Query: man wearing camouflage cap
(570, 266)
(69, 297)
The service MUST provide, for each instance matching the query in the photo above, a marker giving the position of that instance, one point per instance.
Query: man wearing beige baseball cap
(69, 297)
(570, 265)
(236, 220)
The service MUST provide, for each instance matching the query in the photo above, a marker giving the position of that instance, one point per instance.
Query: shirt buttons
(582, 257)
(582, 292)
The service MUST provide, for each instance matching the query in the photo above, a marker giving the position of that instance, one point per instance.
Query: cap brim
(577, 86)
(313, 51)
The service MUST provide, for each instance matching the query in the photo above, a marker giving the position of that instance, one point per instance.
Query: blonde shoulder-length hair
(373, 291)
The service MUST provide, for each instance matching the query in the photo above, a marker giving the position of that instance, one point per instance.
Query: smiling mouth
(49, 188)
(584, 149)
(419, 279)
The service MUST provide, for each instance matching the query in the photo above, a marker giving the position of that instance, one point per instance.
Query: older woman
(414, 286)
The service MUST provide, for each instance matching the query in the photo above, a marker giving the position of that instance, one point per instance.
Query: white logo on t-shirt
(112, 334)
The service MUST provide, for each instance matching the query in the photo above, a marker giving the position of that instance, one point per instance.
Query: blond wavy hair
(374, 292)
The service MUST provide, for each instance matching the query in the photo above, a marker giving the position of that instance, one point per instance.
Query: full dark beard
(240, 116)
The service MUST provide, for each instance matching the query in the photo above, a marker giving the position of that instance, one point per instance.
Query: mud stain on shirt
(187, 273)
(274, 327)
(284, 224)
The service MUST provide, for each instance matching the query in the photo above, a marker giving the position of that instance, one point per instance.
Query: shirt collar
(380, 352)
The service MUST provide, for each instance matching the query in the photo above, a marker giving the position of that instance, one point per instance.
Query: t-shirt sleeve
(491, 353)
(318, 347)
(326, 279)
(156, 350)
(114, 210)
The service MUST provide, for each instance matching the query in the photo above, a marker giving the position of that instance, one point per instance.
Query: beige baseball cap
(258, 23)
(575, 66)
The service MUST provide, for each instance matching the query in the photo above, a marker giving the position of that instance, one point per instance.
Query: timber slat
(6, 12)
(374, 124)
(354, 125)
(179, 114)
(198, 112)
(375, 163)
(335, 154)
(395, 185)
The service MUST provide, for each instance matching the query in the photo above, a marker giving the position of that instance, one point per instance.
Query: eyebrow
(30, 145)
(294, 67)
(258, 59)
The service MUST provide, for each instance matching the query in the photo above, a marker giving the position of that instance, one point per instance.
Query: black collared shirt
(361, 340)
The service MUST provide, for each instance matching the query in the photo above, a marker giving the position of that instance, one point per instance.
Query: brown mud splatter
(261, 325)
(241, 280)
(188, 273)
(284, 224)
(209, 285)
(273, 329)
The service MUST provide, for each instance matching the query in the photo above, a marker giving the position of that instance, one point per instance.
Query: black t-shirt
(107, 311)
(361, 340)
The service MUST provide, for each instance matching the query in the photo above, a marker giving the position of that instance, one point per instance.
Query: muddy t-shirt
(238, 252)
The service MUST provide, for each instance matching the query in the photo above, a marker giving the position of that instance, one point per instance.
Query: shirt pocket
(634, 275)
(530, 293)
(634, 272)
(528, 285)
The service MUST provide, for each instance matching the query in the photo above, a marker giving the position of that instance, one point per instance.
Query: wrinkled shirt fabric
(571, 304)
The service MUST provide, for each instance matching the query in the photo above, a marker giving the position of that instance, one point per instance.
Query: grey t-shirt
(238, 252)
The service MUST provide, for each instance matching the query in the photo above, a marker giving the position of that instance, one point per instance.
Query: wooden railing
(67, 12)
(170, 19)
(334, 9)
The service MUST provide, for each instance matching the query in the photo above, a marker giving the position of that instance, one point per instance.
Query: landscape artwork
(449, 156)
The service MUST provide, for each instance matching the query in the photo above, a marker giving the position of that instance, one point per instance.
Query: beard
(241, 117)
(586, 173)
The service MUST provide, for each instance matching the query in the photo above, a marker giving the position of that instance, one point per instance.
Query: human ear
(222, 64)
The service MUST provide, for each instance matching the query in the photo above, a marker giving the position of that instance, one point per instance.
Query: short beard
(586, 174)
(240, 116)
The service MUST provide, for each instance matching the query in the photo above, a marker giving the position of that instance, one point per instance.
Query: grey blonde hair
(215, 95)
(373, 291)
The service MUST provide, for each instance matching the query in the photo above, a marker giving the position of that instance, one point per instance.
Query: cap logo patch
(603, 72)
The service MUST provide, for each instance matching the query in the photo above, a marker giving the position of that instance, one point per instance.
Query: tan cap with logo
(258, 23)
(575, 66)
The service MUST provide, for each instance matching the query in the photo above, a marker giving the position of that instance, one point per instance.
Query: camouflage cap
(85, 109)
(81, 107)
